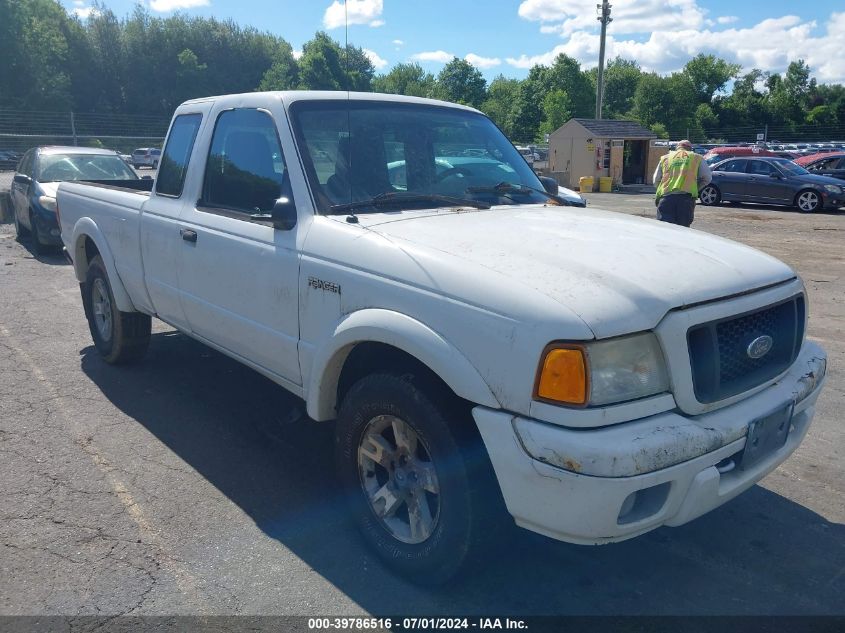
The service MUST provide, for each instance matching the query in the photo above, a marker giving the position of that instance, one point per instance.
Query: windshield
(792, 168)
(355, 151)
(62, 167)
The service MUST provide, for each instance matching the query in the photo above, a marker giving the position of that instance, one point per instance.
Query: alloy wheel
(399, 479)
(808, 201)
(101, 306)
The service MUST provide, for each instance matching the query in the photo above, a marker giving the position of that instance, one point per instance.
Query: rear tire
(808, 201)
(423, 502)
(120, 337)
(710, 196)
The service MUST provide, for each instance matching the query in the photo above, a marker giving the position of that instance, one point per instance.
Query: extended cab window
(174, 163)
(245, 167)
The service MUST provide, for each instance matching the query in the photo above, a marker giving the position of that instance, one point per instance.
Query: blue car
(776, 181)
(39, 173)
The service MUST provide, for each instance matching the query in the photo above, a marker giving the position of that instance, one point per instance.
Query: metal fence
(21, 130)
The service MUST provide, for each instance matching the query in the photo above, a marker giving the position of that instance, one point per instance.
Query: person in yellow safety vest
(679, 176)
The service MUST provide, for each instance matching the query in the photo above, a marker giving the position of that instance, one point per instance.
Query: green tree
(709, 75)
(565, 74)
(461, 82)
(405, 79)
(36, 72)
(321, 64)
(501, 101)
(359, 68)
(527, 112)
(557, 110)
(620, 83)
(822, 115)
(284, 73)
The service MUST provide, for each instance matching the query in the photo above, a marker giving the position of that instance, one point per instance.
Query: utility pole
(604, 18)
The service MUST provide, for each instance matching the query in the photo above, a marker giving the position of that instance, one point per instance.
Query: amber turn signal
(563, 377)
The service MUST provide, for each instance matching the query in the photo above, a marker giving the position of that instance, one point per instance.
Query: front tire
(709, 196)
(38, 247)
(808, 201)
(414, 476)
(20, 232)
(120, 337)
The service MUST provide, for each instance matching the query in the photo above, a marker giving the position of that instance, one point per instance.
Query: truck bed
(140, 186)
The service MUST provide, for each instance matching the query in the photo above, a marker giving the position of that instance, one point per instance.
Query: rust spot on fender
(571, 464)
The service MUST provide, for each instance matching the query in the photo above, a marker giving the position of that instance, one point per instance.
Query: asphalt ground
(189, 484)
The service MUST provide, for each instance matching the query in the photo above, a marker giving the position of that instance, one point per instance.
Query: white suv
(146, 157)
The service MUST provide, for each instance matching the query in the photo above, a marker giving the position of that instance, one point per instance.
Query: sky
(509, 36)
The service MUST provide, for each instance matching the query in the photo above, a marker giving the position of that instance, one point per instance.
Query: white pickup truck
(396, 263)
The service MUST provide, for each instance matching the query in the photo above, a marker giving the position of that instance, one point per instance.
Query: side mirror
(549, 184)
(775, 176)
(22, 179)
(284, 214)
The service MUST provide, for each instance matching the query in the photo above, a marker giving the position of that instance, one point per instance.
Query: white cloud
(163, 6)
(727, 19)
(441, 57)
(356, 11)
(377, 62)
(769, 45)
(398, 42)
(629, 16)
(297, 53)
(482, 62)
(83, 13)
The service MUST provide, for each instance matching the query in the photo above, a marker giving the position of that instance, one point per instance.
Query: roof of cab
(70, 149)
(291, 96)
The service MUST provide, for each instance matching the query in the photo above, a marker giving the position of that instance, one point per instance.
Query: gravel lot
(188, 484)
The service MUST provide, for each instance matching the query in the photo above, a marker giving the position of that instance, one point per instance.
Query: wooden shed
(623, 150)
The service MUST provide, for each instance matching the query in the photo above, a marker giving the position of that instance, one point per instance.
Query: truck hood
(619, 273)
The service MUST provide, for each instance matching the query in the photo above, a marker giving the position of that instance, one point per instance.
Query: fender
(86, 227)
(400, 331)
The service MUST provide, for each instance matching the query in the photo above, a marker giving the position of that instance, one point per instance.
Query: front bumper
(48, 227)
(614, 483)
(833, 201)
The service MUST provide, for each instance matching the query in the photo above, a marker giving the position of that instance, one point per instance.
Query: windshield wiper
(505, 188)
(389, 198)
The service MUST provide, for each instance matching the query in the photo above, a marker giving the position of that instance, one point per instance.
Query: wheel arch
(88, 242)
(373, 339)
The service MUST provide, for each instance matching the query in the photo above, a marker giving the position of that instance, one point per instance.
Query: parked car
(529, 154)
(721, 153)
(473, 344)
(824, 164)
(146, 157)
(33, 189)
(775, 181)
(8, 159)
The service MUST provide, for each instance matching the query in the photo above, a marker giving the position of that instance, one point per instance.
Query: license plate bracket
(766, 435)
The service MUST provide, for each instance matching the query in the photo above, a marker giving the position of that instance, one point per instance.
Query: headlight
(603, 372)
(47, 202)
(833, 189)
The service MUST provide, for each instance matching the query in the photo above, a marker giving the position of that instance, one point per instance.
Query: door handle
(188, 235)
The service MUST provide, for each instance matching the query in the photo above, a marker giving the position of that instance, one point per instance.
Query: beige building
(623, 150)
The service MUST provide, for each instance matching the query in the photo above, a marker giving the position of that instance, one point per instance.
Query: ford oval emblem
(759, 347)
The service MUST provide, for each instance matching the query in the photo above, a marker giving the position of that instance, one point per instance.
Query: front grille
(719, 358)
